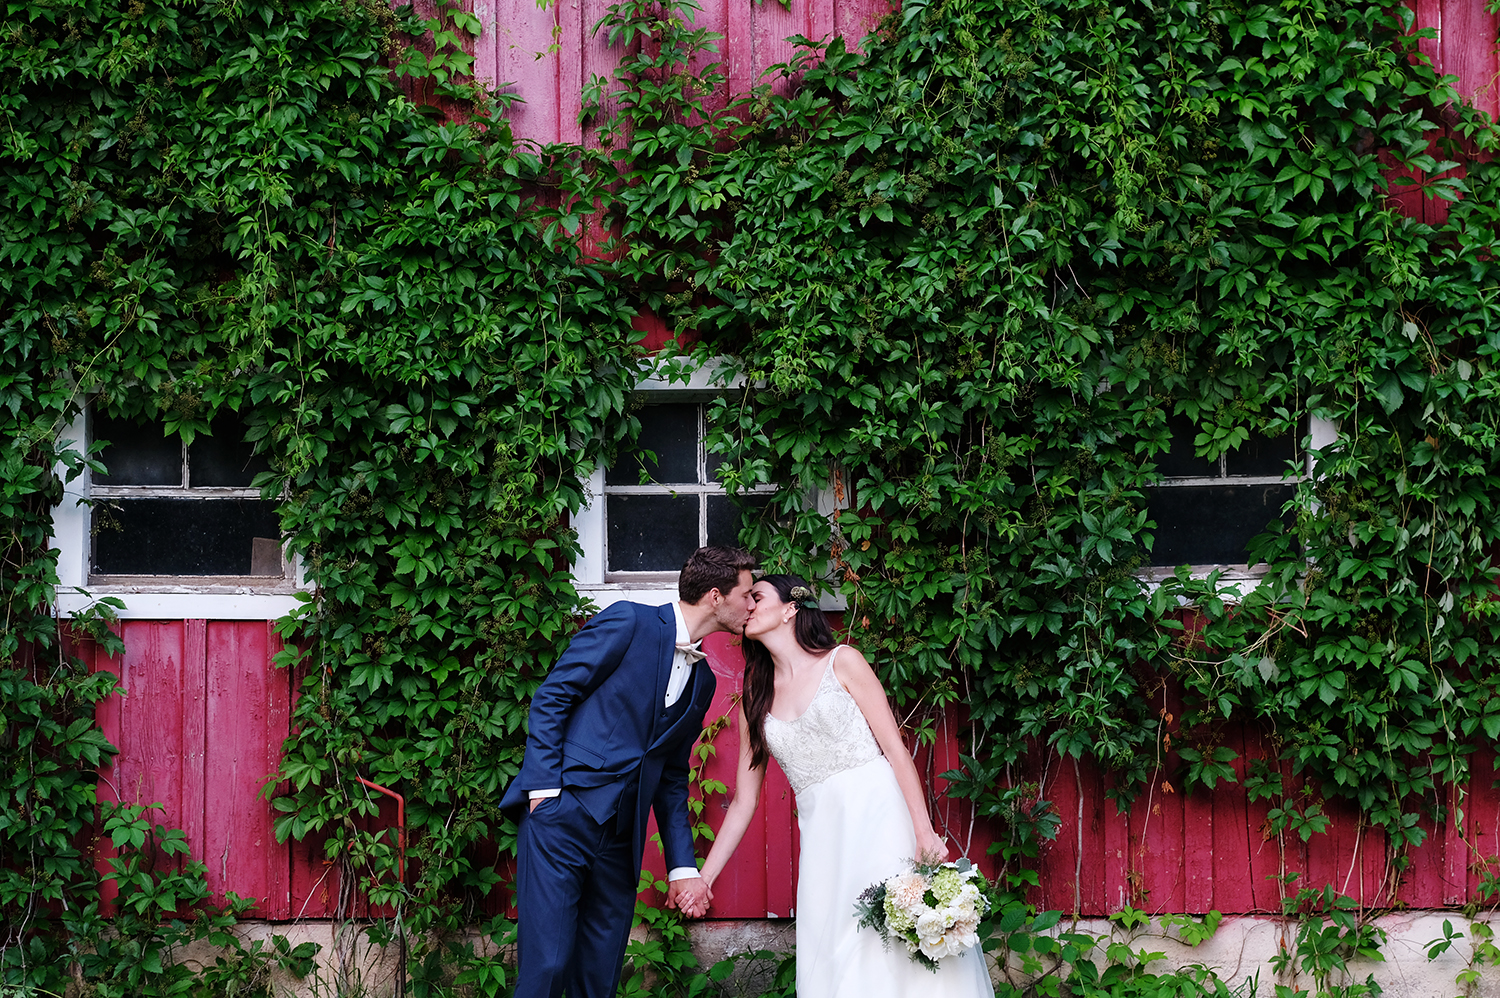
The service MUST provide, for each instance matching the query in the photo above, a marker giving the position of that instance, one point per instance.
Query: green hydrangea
(946, 884)
(898, 919)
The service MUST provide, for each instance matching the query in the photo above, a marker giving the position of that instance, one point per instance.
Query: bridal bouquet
(934, 909)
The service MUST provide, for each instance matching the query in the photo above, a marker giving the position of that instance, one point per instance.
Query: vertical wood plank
(1198, 830)
(593, 56)
(107, 716)
(1322, 867)
(772, 25)
(739, 45)
(857, 19)
(1473, 37)
(1116, 857)
(821, 20)
(1377, 869)
(1421, 884)
(1483, 825)
(314, 881)
(1094, 866)
(778, 804)
(241, 850)
(1455, 859)
(1229, 848)
(1167, 886)
(1265, 848)
(277, 903)
(151, 767)
(194, 707)
(517, 56)
(1429, 14)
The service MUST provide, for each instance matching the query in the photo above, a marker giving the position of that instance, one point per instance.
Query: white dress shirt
(682, 671)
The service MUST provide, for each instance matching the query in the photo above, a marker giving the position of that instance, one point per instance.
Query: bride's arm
(860, 680)
(747, 783)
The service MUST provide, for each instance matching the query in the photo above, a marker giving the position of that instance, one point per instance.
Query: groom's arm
(591, 657)
(688, 891)
(671, 807)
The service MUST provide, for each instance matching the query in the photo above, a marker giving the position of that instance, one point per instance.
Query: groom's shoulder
(628, 610)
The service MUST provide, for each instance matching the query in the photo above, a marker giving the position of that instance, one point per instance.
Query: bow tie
(692, 651)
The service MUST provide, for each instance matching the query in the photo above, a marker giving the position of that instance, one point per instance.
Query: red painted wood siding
(204, 712)
(546, 55)
(199, 724)
(1466, 47)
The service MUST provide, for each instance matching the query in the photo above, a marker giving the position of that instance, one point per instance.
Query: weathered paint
(204, 712)
(546, 54)
(199, 721)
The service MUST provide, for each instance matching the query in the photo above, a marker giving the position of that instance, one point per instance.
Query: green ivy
(975, 272)
(968, 276)
(231, 207)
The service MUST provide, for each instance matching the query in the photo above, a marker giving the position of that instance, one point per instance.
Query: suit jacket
(598, 727)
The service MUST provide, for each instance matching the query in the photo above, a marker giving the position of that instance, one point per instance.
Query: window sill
(651, 592)
(1227, 573)
(159, 602)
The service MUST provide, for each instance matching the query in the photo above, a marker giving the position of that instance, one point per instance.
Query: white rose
(937, 947)
(932, 923)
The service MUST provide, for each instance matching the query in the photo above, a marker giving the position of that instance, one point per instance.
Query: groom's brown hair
(711, 568)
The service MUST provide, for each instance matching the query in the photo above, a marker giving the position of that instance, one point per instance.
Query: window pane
(670, 432)
(1180, 461)
(650, 533)
(138, 453)
(1263, 455)
(1212, 524)
(224, 459)
(183, 536)
(725, 518)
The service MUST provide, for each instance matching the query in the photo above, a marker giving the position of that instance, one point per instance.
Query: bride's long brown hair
(810, 627)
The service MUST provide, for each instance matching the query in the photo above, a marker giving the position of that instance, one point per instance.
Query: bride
(819, 709)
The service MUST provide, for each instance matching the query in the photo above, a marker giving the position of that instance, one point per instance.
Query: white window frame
(151, 597)
(590, 577)
(707, 382)
(1321, 433)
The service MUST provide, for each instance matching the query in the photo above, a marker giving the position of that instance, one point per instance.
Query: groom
(609, 737)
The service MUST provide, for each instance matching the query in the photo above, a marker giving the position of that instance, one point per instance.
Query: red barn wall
(203, 712)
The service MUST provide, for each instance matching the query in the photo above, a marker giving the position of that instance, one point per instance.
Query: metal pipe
(400, 826)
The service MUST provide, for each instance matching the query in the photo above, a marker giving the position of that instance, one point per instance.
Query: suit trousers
(575, 894)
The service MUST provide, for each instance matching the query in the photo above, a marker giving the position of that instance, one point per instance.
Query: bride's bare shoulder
(851, 666)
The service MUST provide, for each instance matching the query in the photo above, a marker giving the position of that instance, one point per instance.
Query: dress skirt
(856, 831)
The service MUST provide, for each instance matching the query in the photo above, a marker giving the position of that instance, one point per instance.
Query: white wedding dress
(856, 830)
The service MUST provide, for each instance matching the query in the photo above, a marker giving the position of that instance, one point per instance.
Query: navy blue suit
(599, 730)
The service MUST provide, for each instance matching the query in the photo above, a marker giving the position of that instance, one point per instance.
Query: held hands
(690, 895)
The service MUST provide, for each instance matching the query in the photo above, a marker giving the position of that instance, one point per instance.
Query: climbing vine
(973, 279)
(975, 275)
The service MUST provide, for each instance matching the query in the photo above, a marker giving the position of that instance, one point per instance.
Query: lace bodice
(830, 736)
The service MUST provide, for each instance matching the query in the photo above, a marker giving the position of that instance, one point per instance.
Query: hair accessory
(803, 597)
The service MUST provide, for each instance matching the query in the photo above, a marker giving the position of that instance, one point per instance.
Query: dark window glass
(653, 533)
(1262, 455)
(224, 459)
(1180, 461)
(137, 453)
(1213, 524)
(186, 537)
(670, 433)
(725, 519)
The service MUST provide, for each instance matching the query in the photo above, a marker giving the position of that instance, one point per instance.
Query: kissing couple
(610, 734)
